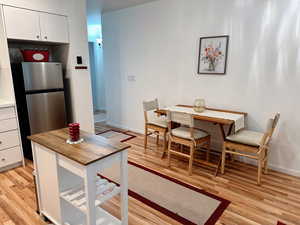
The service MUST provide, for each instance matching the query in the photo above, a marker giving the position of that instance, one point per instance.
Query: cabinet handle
(3, 159)
(0, 142)
(46, 37)
(38, 36)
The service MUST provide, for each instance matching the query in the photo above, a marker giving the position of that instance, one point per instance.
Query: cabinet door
(21, 23)
(54, 28)
(45, 164)
(4, 57)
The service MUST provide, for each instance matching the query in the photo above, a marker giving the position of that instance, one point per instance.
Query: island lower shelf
(105, 190)
(102, 218)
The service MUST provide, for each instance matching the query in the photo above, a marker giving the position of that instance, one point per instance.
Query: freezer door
(42, 76)
(46, 111)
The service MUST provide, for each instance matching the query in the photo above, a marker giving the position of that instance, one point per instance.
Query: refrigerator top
(42, 76)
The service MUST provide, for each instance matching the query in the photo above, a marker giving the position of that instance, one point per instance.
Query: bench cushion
(184, 132)
(158, 122)
(247, 137)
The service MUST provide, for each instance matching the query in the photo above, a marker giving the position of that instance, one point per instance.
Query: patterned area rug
(116, 135)
(184, 203)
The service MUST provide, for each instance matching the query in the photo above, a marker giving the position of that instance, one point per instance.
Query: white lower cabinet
(9, 124)
(10, 145)
(10, 156)
(9, 139)
(7, 113)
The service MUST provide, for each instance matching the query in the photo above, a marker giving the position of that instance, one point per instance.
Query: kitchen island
(69, 190)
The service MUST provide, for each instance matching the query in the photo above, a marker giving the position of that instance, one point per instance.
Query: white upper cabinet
(23, 24)
(4, 57)
(54, 28)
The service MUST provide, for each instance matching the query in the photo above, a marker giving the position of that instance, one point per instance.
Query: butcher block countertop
(93, 148)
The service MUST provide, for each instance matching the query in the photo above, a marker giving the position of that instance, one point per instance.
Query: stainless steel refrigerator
(40, 98)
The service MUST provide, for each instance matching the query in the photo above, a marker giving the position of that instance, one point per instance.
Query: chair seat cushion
(247, 137)
(158, 122)
(185, 132)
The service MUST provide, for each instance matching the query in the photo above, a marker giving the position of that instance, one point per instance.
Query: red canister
(74, 131)
(35, 55)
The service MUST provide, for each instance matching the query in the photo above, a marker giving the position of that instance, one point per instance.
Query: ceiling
(96, 7)
(111, 5)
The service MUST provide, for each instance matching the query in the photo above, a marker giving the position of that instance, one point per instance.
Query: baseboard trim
(11, 166)
(292, 172)
(288, 171)
(99, 111)
(109, 123)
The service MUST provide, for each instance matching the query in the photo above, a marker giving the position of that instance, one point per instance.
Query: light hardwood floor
(277, 199)
(18, 204)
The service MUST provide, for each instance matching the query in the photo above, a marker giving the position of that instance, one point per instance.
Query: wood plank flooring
(18, 204)
(277, 199)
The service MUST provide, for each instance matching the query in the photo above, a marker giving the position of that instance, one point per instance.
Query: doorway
(97, 76)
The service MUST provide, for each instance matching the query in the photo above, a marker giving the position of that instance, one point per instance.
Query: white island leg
(124, 188)
(90, 194)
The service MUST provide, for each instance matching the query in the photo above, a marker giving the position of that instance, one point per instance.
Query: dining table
(234, 120)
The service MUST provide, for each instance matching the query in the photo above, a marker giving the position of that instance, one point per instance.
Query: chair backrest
(180, 117)
(149, 106)
(271, 125)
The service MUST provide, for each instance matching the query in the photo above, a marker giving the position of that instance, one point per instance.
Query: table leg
(124, 188)
(230, 129)
(222, 129)
(219, 165)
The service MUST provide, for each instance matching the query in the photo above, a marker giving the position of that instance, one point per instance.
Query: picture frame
(213, 53)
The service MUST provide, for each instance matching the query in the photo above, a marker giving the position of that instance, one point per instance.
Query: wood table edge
(207, 118)
(218, 110)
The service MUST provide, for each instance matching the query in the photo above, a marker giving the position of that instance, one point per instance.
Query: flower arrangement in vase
(212, 56)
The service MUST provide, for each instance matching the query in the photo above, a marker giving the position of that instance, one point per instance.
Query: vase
(199, 105)
(211, 65)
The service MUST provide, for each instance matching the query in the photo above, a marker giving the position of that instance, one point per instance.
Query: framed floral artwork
(213, 55)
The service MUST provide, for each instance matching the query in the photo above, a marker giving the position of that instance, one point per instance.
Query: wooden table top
(206, 118)
(93, 148)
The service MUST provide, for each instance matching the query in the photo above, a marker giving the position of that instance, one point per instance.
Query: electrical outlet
(131, 78)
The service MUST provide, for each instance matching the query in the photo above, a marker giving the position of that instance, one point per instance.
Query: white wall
(80, 80)
(141, 42)
(158, 43)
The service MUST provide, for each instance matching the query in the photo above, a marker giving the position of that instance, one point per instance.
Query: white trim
(285, 170)
(11, 166)
(109, 123)
(273, 167)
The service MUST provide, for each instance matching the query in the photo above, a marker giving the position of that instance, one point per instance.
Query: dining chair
(158, 125)
(251, 144)
(185, 135)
